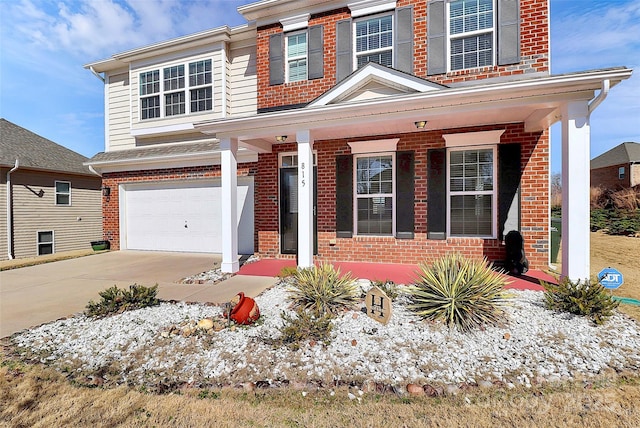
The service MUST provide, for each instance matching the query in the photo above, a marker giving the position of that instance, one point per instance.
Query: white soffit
(295, 22)
(367, 7)
(402, 82)
(374, 146)
(481, 138)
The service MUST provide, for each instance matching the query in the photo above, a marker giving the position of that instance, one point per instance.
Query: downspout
(10, 212)
(606, 84)
(95, 73)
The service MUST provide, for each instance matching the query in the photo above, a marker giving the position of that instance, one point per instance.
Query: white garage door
(184, 216)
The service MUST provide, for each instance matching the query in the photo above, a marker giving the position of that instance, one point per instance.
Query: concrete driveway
(35, 295)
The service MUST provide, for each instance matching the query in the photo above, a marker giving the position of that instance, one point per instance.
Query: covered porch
(352, 110)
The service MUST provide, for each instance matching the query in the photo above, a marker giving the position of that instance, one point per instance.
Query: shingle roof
(36, 152)
(622, 153)
(144, 153)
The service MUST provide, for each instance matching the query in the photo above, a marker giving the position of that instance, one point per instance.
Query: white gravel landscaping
(533, 345)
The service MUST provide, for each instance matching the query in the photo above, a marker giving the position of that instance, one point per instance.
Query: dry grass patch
(32, 396)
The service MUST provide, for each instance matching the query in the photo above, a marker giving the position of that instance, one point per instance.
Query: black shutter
(509, 174)
(316, 52)
(344, 196)
(436, 194)
(436, 38)
(276, 61)
(404, 39)
(508, 32)
(405, 197)
(344, 59)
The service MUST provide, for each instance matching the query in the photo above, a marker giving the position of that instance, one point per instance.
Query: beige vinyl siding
(119, 112)
(217, 70)
(3, 214)
(243, 81)
(34, 209)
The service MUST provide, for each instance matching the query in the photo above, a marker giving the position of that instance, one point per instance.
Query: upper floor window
(471, 33)
(296, 50)
(63, 193)
(170, 98)
(374, 41)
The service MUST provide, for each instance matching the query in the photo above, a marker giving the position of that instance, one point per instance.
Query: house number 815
(303, 182)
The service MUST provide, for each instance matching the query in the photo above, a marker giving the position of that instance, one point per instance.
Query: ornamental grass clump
(463, 293)
(588, 299)
(321, 290)
(117, 300)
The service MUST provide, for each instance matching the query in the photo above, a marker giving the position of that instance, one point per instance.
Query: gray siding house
(617, 168)
(50, 201)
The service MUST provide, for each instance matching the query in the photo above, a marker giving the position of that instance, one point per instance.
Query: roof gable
(374, 81)
(621, 154)
(36, 152)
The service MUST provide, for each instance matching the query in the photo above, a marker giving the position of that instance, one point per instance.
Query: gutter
(606, 85)
(94, 171)
(10, 212)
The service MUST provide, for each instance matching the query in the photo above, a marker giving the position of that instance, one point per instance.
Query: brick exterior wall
(534, 54)
(607, 177)
(110, 206)
(534, 204)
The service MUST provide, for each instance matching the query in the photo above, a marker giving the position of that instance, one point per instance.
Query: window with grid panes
(374, 41)
(374, 194)
(471, 192)
(471, 33)
(200, 80)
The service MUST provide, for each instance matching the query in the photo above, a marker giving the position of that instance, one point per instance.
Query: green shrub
(389, 287)
(287, 272)
(615, 222)
(589, 299)
(117, 300)
(303, 327)
(322, 290)
(463, 293)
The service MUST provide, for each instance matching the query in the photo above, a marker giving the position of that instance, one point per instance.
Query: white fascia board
(368, 7)
(220, 34)
(168, 161)
(554, 88)
(365, 75)
(161, 130)
(297, 22)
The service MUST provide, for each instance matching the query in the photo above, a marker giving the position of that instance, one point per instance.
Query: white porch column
(229, 167)
(305, 199)
(576, 139)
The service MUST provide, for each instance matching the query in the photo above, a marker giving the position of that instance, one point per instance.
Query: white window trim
(467, 139)
(186, 89)
(621, 173)
(38, 243)
(283, 154)
(286, 55)
(493, 193)
(368, 7)
(382, 195)
(374, 146)
(56, 193)
(393, 39)
(297, 22)
(449, 37)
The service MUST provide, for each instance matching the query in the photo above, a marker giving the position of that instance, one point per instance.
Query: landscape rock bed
(533, 345)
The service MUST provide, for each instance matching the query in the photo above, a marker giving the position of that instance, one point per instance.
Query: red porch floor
(398, 273)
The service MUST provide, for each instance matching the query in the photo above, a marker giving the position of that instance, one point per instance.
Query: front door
(289, 206)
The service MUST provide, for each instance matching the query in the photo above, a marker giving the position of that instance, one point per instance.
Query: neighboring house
(51, 201)
(373, 131)
(617, 168)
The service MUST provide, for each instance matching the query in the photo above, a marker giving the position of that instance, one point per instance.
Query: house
(371, 131)
(617, 168)
(51, 201)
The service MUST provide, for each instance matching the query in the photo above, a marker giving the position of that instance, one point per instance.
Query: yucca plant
(322, 290)
(117, 300)
(589, 299)
(303, 327)
(463, 293)
(388, 287)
